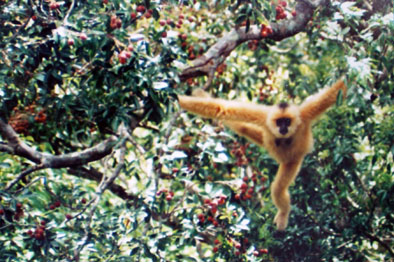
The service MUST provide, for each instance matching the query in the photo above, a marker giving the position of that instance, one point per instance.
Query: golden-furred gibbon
(284, 130)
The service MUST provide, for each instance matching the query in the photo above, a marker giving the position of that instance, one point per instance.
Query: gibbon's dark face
(283, 123)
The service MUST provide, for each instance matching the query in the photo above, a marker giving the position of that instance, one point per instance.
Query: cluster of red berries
(125, 55)
(239, 151)
(280, 11)
(260, 252)
(115, 22)
(18, 212)
(55, 205)
(212, 207)
(265, 31)
(39, 232)
(169, 195)
(41, 117)
(246, 191)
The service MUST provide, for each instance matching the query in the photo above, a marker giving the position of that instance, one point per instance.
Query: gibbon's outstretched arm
(318, 103)
(250, 131)
(224, 110)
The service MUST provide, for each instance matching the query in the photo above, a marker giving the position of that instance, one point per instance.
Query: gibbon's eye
(283, 123)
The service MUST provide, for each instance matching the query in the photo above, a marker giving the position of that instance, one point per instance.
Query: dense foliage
(98, 163)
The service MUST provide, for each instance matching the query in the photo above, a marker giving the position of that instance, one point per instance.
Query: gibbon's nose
(283, 130)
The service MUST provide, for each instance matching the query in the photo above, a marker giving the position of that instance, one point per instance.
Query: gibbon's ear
(317, 104)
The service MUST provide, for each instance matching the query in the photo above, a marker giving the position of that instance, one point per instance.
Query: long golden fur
(259, 123)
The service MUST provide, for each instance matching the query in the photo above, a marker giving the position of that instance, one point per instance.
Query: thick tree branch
(17, 147)
(217, 53)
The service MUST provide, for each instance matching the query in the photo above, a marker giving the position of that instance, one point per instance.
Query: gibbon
(284, 130)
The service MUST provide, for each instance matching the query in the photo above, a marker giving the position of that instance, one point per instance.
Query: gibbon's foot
(281, 220)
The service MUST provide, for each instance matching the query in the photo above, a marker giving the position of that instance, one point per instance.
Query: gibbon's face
(283, 120)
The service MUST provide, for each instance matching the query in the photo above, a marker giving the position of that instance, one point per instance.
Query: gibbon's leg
(224, 109)
(316, 104)
(250, 131)
(279, 191)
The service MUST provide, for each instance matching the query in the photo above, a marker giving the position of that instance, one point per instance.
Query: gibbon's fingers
(316, 104)
(250, 131)
(279, 191)
(224, 109)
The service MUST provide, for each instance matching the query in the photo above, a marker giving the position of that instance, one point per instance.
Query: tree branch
(19, 148)
(217, 53)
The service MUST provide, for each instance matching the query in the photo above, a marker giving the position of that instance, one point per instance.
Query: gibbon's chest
(291, 148)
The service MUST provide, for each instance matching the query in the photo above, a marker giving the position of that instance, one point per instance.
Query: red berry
(162, 22)
(105, 2)
(57, 203)
(83, 36)
(130, 48)
(133, 15)
(279, 9)
(237, 245)
(122, 57)
(283, 3)
(141, 9)
(245, 179)
(244, 186)
(184, 37)
(216, 242)
(294, 13)
(53, 5)
(52, 207)
(83, 201)
(70, 41)
(18, 205)
(30, 232)
(68, 216)
(263, 251)
(256, 253)
(43, 223)
(34, 17)
(215, 249)
(237, 197)
(1, 212)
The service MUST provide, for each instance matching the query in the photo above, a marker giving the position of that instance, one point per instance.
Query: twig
(23, 174)
(104, 184)
(65, 20)
(28, 185)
